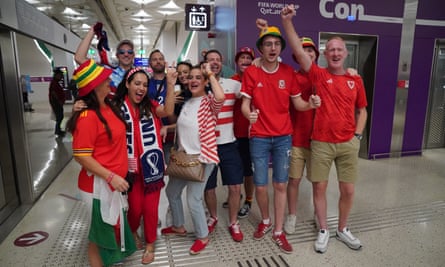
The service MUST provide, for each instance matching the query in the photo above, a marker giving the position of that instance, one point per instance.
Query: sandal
(198, 246)
(138, 241)
(148, 256)
(170, 231)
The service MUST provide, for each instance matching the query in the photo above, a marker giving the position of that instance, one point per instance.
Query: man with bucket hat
(266, 92)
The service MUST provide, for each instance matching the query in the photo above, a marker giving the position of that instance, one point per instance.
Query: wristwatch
(359, 136)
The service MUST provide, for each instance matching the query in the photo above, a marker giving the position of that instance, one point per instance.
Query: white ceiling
(122, 19)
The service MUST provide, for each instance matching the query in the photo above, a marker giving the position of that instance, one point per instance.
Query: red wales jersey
(270, 93)
(302, 120)
(341, 95)
(90, 139)
(240, 123)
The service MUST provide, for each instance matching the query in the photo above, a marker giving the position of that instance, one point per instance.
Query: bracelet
(110, 177)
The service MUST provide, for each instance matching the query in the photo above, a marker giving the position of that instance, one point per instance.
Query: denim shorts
(230, 165)
(277, 149)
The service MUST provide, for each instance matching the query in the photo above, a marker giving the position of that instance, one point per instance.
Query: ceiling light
(141, 27)
(141, 19)
(168, 12)
(77, 18)
(44, 8)
(33, 2)
(85, 26)
(70, 11)
(142, 14)
(143, 2)
(170, 5)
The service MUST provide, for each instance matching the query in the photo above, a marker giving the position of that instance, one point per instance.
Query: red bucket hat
(89, 75)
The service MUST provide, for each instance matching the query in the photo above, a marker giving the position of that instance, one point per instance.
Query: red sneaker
(170, 231)
(198, 246)
(282, 243)
(235, 232)
(262, 230)
(211, 223)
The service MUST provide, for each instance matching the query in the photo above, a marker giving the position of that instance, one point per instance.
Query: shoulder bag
(184, 166)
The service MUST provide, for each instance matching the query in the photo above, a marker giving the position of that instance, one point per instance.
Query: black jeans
(58, 111)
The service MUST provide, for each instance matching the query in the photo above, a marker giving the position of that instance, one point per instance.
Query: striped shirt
(196, 127)
(224, 125)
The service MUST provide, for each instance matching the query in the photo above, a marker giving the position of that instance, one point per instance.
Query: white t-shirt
(187, 127)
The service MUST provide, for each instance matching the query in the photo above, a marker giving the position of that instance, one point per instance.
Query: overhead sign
(141, 61)
(197, 17)
(30, 239)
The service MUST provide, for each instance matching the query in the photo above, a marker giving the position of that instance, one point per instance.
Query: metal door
(9, 199)
(435, 124)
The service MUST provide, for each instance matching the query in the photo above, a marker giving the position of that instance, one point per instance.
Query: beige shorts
(299, 157)
(345, 156)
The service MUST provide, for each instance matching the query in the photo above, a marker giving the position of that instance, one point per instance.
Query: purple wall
(384, 95)
(310, 21)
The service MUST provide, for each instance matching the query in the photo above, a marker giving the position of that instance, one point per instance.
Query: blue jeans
(278, 149)
(195, 192)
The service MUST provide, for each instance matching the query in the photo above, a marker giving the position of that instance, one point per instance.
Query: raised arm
(293, 39)
(217, 90)
(81, 53)
(169, 105)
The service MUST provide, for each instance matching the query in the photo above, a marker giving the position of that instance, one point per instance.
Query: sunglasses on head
(122, 51)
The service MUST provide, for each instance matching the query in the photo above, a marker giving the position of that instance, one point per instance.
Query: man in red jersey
(243, 60)
(337, 131)
(300, 156)
(267, 92)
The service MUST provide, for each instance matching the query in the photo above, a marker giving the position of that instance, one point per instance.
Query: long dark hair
(93, 104)
(122, 91)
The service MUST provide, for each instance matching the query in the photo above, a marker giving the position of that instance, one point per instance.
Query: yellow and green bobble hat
(273, 31)
(307, 42)
(89, 75)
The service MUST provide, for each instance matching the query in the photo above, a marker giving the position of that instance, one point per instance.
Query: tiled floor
(398, 215)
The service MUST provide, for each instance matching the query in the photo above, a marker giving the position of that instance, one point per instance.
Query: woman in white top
(195, 129)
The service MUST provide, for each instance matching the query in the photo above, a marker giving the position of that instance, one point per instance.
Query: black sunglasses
(122, 51)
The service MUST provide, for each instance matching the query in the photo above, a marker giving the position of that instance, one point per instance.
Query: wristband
(110, 177)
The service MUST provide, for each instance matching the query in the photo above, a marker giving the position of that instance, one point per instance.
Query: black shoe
(61, 133)
(244, 211)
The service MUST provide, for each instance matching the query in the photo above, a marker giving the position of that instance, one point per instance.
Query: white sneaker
(346, 237)
(321, 244)
(289, 225)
